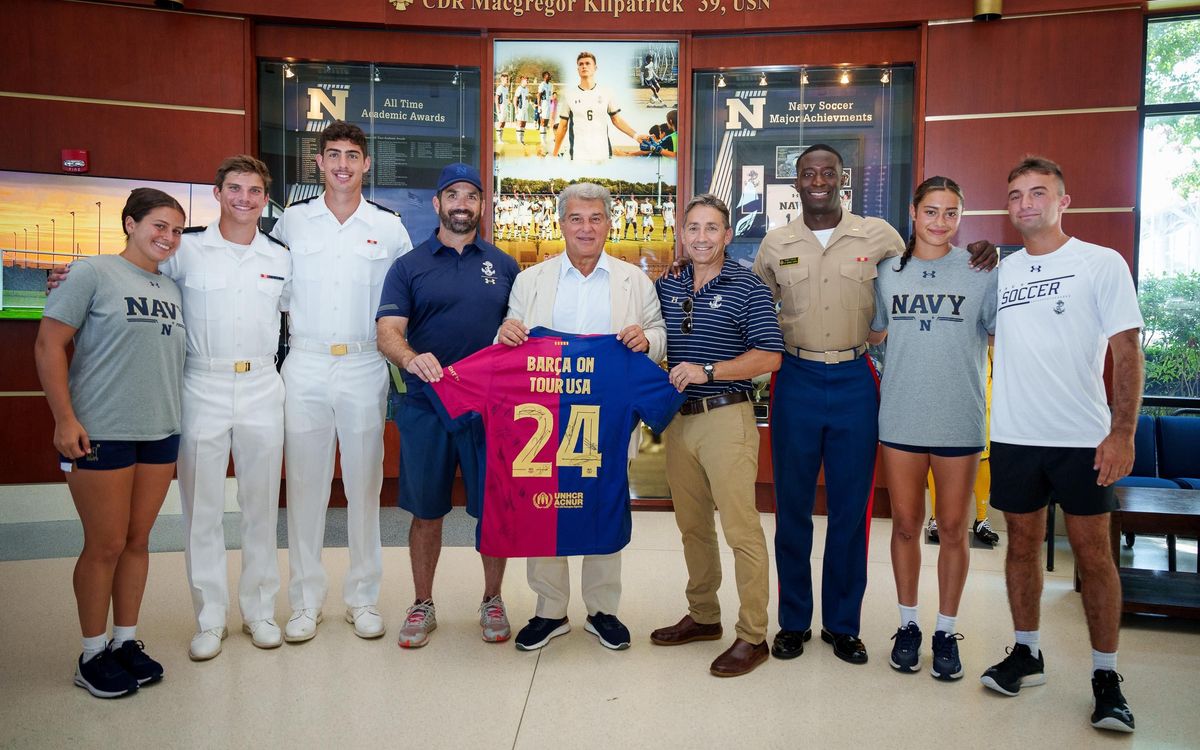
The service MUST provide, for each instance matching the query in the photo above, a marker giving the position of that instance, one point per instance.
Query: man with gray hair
(583, 291)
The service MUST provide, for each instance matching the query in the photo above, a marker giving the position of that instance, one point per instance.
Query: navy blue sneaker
(539, 631)
(103, 677)
(609, 630)
(131, 655)
(906, 654)
(946, 664)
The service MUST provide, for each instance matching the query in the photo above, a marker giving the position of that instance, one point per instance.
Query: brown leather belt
(701, 405)
(829, 358)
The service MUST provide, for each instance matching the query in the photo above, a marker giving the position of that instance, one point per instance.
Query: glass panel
(1169, 255)
(1173, 61)
(417, 121)
(752, 124)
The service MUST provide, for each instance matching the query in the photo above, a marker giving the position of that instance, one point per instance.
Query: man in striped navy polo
(721, 332)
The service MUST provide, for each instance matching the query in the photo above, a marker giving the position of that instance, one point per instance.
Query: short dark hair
(710, 200)
(341, 130)
(820, 147)
(245, 164)
(584, 54)
(1039, 165)
(143, 200)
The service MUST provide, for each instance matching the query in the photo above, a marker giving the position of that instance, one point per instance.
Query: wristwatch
(709, 371)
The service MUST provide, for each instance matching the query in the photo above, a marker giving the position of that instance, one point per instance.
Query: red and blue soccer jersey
(558, 412)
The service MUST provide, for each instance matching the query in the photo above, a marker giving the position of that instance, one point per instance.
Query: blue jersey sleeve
(653, 397)
(396, 297)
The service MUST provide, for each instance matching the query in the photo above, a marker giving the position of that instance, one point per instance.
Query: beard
(459, 221)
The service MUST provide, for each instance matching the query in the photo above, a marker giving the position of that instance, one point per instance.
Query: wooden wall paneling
(807, 48)
(27, 441)
(1076, 61)
(110, 52)
(462, 48)
(16, 341)
(1115, 230)
(1098, 153)
(152, 144)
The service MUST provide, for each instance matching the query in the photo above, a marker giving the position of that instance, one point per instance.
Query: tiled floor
(459, 692)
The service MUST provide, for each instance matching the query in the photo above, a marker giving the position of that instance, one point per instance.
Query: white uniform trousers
(242, 412)
(550, 579)
(330, 398)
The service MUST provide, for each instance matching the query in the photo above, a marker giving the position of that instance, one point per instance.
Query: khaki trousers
(550, 578)
(712, 460)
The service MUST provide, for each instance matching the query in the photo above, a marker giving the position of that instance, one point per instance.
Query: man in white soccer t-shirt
(668, 214)
(1062, 304)
(585, 112)
(647, 220)
(631, 214)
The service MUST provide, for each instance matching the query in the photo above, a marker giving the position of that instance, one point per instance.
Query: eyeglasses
(686, 326)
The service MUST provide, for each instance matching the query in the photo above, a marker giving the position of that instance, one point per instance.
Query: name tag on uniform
(789, 261)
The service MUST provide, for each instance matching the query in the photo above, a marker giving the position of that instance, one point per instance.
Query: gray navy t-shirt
(129, 348)
(938, 314)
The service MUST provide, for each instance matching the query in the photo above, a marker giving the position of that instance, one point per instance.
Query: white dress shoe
(302, 626)
(368, 623)
(264, 633)
(206, 644)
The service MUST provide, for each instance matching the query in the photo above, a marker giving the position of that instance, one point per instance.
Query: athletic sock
(1032, 639)
(1105, 661)
(93, 646)
(907, 615)
(945, 624)
(122, 633)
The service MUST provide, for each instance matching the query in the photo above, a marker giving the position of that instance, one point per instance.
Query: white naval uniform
(336, 389)
(232, 400)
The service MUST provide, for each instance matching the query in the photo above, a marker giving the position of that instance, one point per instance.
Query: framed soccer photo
(586, 111)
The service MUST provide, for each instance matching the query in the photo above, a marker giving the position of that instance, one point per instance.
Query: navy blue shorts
(942, 452)
(429, 455)
(119, 454)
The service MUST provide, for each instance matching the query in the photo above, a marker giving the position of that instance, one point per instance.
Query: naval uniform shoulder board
(386, 209)
(193, 230)
(276, 240)
(302, 201)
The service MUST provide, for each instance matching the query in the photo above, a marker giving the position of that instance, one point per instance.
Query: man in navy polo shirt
(442, 302)
(721, 332)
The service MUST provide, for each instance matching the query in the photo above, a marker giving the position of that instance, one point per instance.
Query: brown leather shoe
(739, 659)
(686, 631)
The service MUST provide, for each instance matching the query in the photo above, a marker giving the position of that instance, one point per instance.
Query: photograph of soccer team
(603, 112)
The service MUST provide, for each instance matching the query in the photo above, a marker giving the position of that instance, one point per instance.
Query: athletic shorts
(1026, 478)
(429, 455)
(119, 454)
(940, 451)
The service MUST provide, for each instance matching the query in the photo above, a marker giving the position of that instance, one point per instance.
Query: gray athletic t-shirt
(938, 314)
(128, 365)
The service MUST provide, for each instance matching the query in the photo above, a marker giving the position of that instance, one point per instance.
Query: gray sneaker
(493, 619)
(419, 622)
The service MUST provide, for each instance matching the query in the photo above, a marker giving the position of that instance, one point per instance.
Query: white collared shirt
(232, 294)
(339, 268)
(583, 304)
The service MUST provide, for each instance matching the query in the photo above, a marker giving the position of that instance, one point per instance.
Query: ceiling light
(845, 78)
(803, 77)
(288, 72)
(886, 77)
(721, 81)
(762, 79)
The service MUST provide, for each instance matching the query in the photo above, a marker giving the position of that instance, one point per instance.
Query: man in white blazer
(584, 290)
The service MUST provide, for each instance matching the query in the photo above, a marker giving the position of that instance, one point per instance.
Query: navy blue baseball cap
(459, 172)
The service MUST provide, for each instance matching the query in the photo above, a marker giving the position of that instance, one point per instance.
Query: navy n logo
(925, 325)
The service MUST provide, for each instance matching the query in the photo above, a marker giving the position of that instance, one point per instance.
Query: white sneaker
(366, 620)
(264, 633)
(302, 626)
(206, 644)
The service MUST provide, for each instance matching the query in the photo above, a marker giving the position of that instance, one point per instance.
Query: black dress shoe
(789, 644)
(846, 647)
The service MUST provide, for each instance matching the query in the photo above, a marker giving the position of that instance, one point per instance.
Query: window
(1168, 259)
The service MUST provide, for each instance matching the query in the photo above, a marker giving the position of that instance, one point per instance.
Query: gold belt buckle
(338, 350)
(241, 366)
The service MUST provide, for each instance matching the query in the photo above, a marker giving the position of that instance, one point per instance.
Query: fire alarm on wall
(74, 160)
